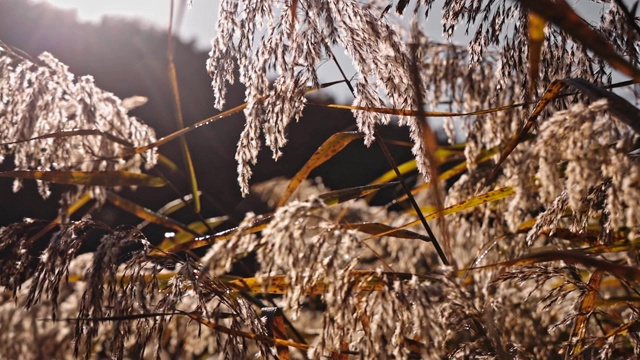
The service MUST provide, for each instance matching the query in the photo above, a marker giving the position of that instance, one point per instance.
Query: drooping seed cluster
(44, 109)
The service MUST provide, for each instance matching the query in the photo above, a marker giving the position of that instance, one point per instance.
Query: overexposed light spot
(154, 11)
(198, 24)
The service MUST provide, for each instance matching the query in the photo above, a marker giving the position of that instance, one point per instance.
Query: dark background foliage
(129, 59)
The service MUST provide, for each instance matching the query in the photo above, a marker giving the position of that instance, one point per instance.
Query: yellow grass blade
(587, 306)
(617, 246)
(146, 214)
(82, 201)
(363, 280)
(197, 227)
(330, 198)
(202, 241)
(340, 196)
(562, 15)
(378, 228)
(168, 163)
(171, 207)
(93, 178)
(625, 272)
(478, 200)
(326, 151)
(175, 91)
(404, 112)
(551, 93)
(536, 38)
(247, 335)
(456, 170)
(390, 175)
(624, 329)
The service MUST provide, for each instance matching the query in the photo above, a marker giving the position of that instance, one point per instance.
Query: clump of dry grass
(539, 219)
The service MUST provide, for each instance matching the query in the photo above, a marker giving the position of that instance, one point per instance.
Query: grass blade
(562, 15)
(326, 151)
(429, 145)
(587, 306)
(618, 106)
(330, 199)
(622, 109)
(551, 93)
(478, 200)
(536, 38)
(146, 214)
(198, 227)
(171, 207)
(91, 178)
(82, 201)
(390, 175)
(404, 112)
(454, 171)
(68, 133)
(202, 241)
(175, 90)
(378, 228)
(247, 335)
(207, 121)
(275, 328)
(363, 280)
(624, 272)
(340, 196)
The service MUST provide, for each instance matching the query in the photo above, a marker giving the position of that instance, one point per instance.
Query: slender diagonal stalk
(430, 144)
(173, 76)
(394, 166)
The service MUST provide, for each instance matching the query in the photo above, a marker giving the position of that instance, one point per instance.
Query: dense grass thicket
(516, 239)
